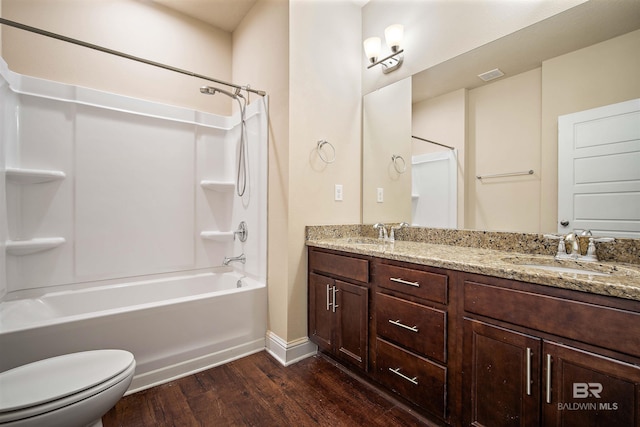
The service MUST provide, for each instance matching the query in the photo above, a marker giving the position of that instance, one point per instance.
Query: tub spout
(241, 258)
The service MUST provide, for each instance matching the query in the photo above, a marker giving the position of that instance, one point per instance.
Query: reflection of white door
(434, 180)
(599, 170)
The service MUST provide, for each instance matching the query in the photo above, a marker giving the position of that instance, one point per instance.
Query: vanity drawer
(413, 377)
(602, 326)
(339, 265)
(418, 283)
(420, 329)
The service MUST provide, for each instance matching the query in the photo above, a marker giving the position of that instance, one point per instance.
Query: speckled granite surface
(506, 255)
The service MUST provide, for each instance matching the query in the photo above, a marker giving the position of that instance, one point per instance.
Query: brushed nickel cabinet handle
(404, 282)
(402, 325)
(396, 371)
(548, 378)
(328, 303)
(335, 291)
(529, 371)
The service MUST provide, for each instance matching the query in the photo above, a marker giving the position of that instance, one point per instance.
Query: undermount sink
(561, 266)
(364, 241)
(570, 270)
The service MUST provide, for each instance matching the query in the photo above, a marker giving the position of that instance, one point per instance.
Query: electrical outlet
(380, 195)
(338, 192)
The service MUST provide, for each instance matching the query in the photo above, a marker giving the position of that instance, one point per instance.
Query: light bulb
(393, 35)
(372, 48)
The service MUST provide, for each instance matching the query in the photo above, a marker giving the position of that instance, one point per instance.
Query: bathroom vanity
(476, 336)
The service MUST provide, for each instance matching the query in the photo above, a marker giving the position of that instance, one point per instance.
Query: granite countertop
(620, 280)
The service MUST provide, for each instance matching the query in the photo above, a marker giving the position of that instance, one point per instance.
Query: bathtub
(174, 326)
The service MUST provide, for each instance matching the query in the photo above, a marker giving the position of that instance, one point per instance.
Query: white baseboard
(284, 352)
(289, 352)
(192, 366)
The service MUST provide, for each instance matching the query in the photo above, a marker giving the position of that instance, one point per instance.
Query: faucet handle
(400, 226)
(553, 236)
(561, 252)
(242, 232)
(382, 230)
(591, 249)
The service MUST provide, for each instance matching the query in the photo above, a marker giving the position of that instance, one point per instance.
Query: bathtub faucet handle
(240, 258)
(241, 232)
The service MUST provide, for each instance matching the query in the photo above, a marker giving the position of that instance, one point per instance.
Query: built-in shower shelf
(222, 186)
(218, 236)
(28, 247)
(33, 176)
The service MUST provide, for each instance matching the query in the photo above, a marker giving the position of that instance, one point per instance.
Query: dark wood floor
(258, 391)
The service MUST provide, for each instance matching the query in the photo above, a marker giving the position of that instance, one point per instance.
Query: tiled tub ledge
(497, 254)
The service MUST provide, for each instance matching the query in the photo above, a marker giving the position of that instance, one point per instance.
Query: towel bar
(500, 175)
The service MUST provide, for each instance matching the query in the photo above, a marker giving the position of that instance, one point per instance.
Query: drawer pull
(398, 323)
(404, 282)
(403, 376)
(335, 290)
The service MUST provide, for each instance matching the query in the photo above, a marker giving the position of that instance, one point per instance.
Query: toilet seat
(50, 384)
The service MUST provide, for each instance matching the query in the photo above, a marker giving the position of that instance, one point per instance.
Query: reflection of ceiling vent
(490, 75)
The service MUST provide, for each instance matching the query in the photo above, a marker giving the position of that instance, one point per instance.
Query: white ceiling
(224, 14)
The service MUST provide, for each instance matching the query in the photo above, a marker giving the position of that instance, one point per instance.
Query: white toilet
(74, 390)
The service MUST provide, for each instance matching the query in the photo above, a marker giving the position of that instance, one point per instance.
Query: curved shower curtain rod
(124, 55)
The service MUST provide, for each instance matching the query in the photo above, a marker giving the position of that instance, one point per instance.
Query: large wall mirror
(504, 131)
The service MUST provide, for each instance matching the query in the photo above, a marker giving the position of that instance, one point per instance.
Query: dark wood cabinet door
(584, 389)
(352, 320)
(320, 311)
(501, 375)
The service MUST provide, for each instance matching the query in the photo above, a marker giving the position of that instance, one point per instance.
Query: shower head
(209, 90)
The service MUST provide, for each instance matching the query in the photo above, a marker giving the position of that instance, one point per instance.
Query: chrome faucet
(400, 226)
(382, 230)
(241, 258)
(572, 238)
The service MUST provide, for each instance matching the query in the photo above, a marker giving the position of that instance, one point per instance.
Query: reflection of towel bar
(323, 155)
(499, 175)
(396, 164)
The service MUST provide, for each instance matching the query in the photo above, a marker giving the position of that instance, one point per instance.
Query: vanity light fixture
(393, 35)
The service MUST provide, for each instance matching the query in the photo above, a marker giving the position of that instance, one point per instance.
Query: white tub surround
(108, 190)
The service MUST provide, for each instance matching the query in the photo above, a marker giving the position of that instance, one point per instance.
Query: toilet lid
(51, 379)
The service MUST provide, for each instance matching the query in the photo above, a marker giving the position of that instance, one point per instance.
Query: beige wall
(606, 73)
(386, 128)
(496, 129)
(261, 58)
(306, 54)
(504, 137)
(137, 28)
(324, 103)
(444, 119)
